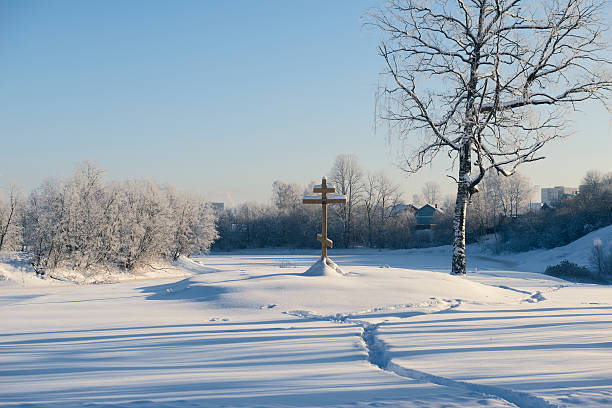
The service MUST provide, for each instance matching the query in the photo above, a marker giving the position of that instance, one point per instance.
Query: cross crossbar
(318, 199)
(320, 189)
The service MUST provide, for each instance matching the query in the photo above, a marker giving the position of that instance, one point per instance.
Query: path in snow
(379, 356)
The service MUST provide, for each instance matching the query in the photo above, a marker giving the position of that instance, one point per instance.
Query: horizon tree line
(83, 222)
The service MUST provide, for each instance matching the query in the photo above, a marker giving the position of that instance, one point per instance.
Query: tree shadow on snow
(185, 289)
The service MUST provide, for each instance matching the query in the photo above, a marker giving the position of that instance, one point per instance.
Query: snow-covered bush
(600, 271)
(570, 271)
(81, 222)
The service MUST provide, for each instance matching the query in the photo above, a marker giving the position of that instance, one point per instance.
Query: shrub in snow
(573, 272)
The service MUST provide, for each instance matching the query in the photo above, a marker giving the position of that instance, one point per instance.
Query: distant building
(425, 216)
(556, 194)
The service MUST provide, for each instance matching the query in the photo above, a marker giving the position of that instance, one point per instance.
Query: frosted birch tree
(487, 82)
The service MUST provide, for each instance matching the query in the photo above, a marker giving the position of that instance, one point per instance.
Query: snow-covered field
(248, 329)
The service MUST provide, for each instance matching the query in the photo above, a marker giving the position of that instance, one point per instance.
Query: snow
(252, 329)
(320, 186)
(313, 197)
(16, 270)
(324, 268)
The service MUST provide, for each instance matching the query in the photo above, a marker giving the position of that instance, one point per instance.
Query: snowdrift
(325, 267)
(16, 269)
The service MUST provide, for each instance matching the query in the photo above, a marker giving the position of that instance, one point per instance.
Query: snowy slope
(577, 252)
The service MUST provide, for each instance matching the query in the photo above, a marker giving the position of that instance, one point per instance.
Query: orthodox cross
(322, 198)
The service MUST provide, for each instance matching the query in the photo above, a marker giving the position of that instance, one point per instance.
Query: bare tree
(498, 198)
(390, 196)
(371, 200)
(10, 227)
(417, 200)
(379, 198)
(517, 190)
(431, 192)
(346, 174)
(286, 196)
(591, 184)
(486, 81)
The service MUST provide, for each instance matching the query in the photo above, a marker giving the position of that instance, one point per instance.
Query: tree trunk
(463, 196)
(458, 262)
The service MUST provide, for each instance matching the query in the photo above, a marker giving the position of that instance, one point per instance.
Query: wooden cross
(323, 199)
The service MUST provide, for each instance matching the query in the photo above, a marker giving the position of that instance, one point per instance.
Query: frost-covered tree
(286, 196)
(81, 222)
(499, 199)
(515, 192)
(487, 82)
(371, 200)
(601, 260)
(591, 184)
(68, 221)
(389, 197)
(84, 213)
(346, 175)
(192, 224)
(431, 192)
(144, 229)
(10, 225)
(46, 223)
(380, 195)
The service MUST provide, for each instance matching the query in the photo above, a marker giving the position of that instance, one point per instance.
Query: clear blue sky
(220, 97)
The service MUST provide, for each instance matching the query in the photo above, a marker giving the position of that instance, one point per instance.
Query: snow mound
(324, 267)
(101, 275)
